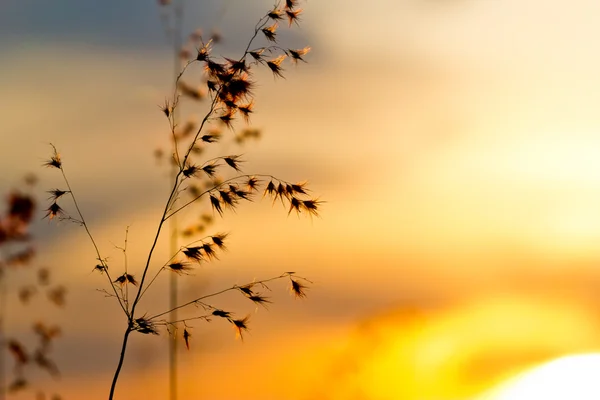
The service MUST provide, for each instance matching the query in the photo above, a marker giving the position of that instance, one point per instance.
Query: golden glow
(572, 377)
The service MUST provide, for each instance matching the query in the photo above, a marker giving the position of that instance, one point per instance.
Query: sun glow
(571, 377)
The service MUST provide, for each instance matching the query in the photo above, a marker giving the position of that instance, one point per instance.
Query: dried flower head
(275, 14)
(246, 110)
(257, 54)
(186, 337)
(179, 267)
(298, 289)
(125, 279)
(270, 32)
(145, 326)
(54, 161)
(233, 162)
(240, 325)
(290, 4)
(54, 211)
(298, 54)
(260, 300)
(293, 16)
(275, 65)
(219, 240)
(222, 314)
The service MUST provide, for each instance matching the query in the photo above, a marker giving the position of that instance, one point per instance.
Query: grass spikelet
(246, 110)
(233, 162)
(142, 325)
(270, 32)
(221, 314)
(275, 14)
(179, 267)
(257, 54)
(236, 66)
(298, 289)
(210, 169)
(227, 118)
(295, 204)
(186, 337)
(219, 240)
(195, 253)
(240, 325)
(190, 171)
(216, 204)
(298, 54)
(311, 206)
(259, 300)
(55, 161)
(209, 251)
(291, 4)
(293, 16)
(56, 194)
(275, 65)
(54, 211)
(270, 189)
(214, 68)
(252, 183)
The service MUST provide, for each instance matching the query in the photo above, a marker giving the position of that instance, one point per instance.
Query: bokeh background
(456, 144)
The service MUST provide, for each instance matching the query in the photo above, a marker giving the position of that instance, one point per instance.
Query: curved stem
(120, 364)
(82, 220)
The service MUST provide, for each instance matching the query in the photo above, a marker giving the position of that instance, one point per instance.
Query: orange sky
(455, 144)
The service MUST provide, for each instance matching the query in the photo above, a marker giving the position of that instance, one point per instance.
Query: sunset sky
(456, 147)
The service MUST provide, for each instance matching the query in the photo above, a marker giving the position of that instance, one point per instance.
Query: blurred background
(456, 145)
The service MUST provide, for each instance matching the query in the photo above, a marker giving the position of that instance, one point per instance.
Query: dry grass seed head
(236, 66)
(298, 289)
(237, 88)
(190, 171)
(311, 206)
(246, 110)
(293, 16)
(55, 161)
(54, 211)
(195, 253)
(252, 183)
(186, 337)
(209, 251)
(211, 137)
(270, 32)
(210, 169)
(233, 162)
(221, 313)
(290, 4)
(298, 54)
(216, 204)
(260, 300)
(179, 267)
(227, 118)
(56, 193)
(240, 325)
(275, 65)
(295, 204)
(275, 14)
(257, 54)
(213, 68)
(219, 240)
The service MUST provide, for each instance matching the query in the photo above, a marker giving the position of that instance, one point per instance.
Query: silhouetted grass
(219, 182)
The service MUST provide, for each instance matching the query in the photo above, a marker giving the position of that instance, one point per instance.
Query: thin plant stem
(218, 186)
(82, 220)
(234, 287)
